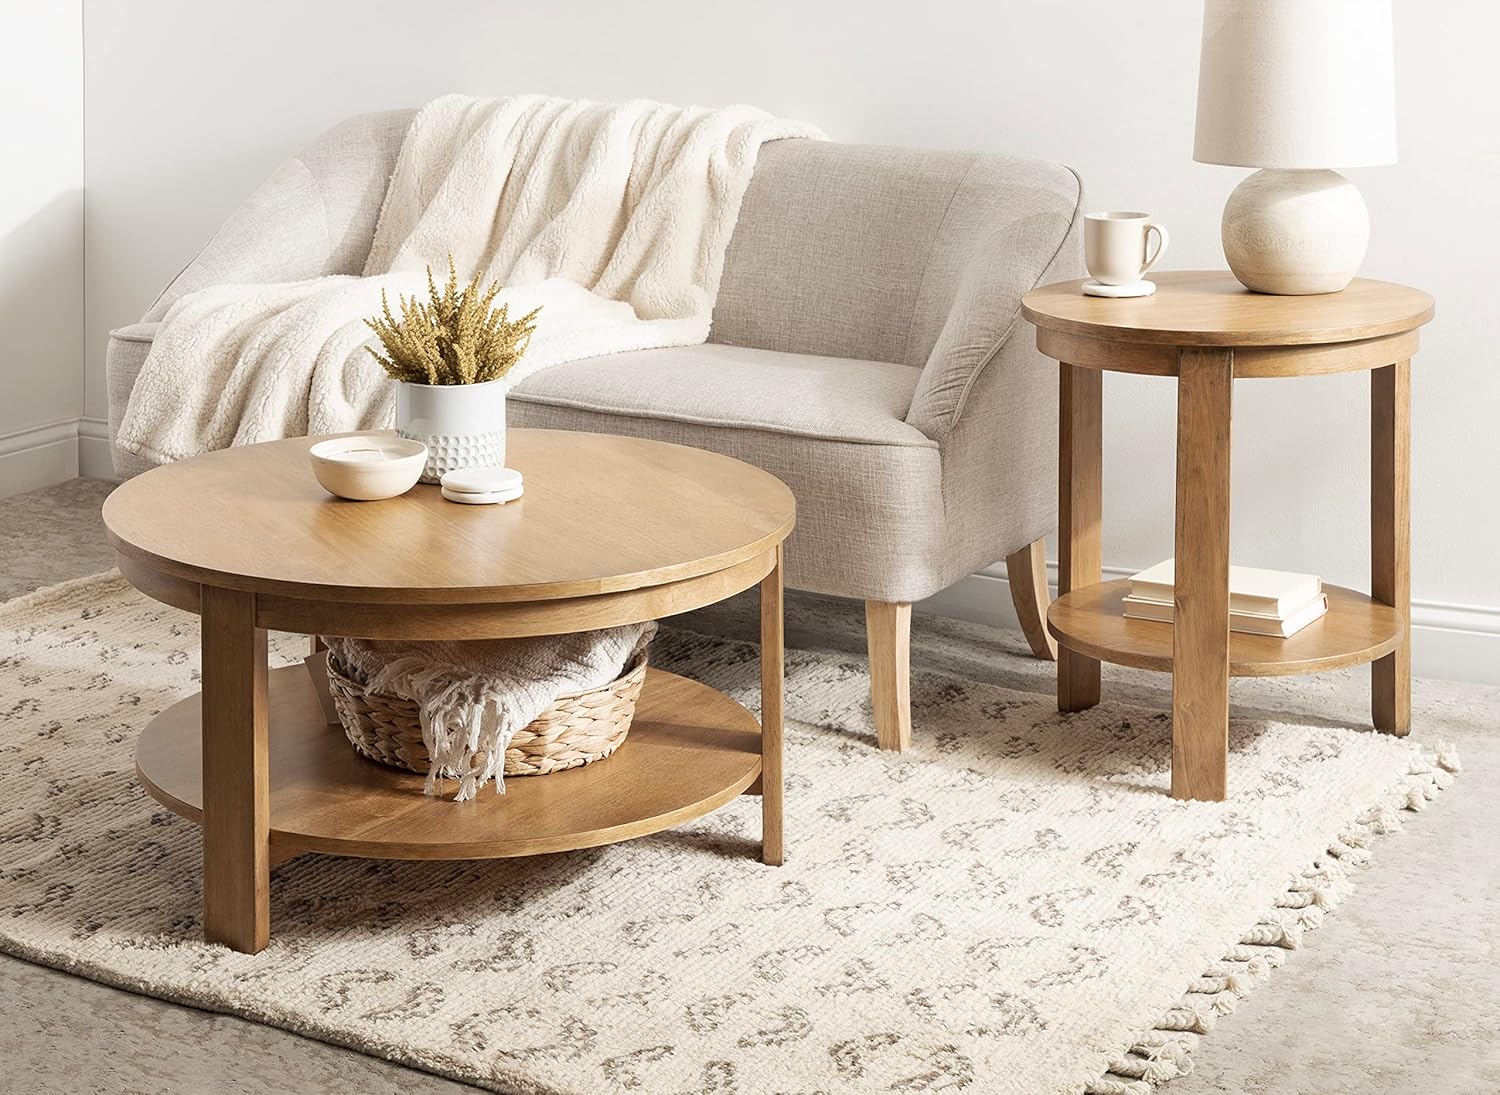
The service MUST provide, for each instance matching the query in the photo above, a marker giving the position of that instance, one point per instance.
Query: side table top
(1211, 308)
(601, 514)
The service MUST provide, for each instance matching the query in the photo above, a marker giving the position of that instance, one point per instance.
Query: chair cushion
(734, 387)
(868, 485)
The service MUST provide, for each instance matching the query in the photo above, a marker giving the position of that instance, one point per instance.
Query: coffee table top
(1211, 308)
(601, 514)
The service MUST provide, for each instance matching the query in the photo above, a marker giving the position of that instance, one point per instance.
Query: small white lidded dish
(368, 467)
(482, 486)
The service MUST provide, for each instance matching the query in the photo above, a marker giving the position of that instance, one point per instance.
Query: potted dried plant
(449, 356)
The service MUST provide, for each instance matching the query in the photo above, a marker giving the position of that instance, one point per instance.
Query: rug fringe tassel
(1165, 1052)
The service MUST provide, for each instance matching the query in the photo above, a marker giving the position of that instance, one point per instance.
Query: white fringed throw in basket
(474, 696)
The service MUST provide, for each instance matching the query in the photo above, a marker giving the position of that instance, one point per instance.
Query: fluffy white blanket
(613, 217)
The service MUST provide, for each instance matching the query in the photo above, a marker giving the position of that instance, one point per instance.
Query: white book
(1251, 623)
(1272, 593)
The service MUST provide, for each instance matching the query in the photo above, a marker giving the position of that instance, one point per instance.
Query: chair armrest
(277, 234)
(986, 311)
(314, 216)
(123, 358)
(989, 397)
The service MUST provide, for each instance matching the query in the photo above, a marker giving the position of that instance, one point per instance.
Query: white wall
(191, 104)
(41, 243)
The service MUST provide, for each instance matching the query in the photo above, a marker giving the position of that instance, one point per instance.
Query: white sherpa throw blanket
(472, 697)
(614, 218)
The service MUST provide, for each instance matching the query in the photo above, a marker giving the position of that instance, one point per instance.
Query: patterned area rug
(1014, 906)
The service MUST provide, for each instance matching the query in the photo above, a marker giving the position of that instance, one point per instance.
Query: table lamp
(1295, 88)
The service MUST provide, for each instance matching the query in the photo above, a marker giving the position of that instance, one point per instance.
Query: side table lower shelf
(690, 750)
(1356, 629)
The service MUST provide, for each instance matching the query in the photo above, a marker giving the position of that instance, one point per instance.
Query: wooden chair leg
(888, 631)
(1027, 572)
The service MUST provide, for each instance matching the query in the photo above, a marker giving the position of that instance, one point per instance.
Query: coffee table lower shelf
(690, 750)
(1356, 629)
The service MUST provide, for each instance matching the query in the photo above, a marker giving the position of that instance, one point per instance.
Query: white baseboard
(1449, 641)
(95, 460)
(38, 456)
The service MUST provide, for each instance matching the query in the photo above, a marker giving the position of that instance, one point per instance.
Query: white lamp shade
(1296, 83)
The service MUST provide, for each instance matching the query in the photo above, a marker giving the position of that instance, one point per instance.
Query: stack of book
(1261, 602)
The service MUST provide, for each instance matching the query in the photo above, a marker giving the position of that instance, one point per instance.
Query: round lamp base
(1295, 232)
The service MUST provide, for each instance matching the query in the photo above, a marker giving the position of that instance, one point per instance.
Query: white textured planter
(462, 425)
(1295, 232)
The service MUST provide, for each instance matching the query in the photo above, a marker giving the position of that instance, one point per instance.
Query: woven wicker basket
(579, 728)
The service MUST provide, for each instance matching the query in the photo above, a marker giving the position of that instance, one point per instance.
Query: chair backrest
(841, 250)
(858, 250)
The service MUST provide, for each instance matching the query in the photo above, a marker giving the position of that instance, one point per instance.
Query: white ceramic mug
(1114, 246)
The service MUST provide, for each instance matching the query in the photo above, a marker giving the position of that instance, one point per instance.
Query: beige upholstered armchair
(867, 348)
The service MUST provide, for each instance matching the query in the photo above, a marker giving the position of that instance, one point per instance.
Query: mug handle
(1162, 239)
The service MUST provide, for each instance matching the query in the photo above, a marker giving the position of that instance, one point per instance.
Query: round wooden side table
(611, 530)
(1205, 329)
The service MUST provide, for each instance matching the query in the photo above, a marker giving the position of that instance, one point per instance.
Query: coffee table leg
(1390, 537)
(1079, 515)
(1200, 636)
(771, 668)
(236, 789)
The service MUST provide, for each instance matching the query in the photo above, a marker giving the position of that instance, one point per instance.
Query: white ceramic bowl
(367, 467)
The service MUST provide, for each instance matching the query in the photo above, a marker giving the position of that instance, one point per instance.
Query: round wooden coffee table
(611, 530)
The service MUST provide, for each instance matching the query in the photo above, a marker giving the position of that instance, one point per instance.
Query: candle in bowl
(368, 467)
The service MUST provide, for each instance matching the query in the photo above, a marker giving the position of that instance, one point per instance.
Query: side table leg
(1390, 538)
(772, 654)
(236, 788)
(1080, 465)
(1200, 636)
